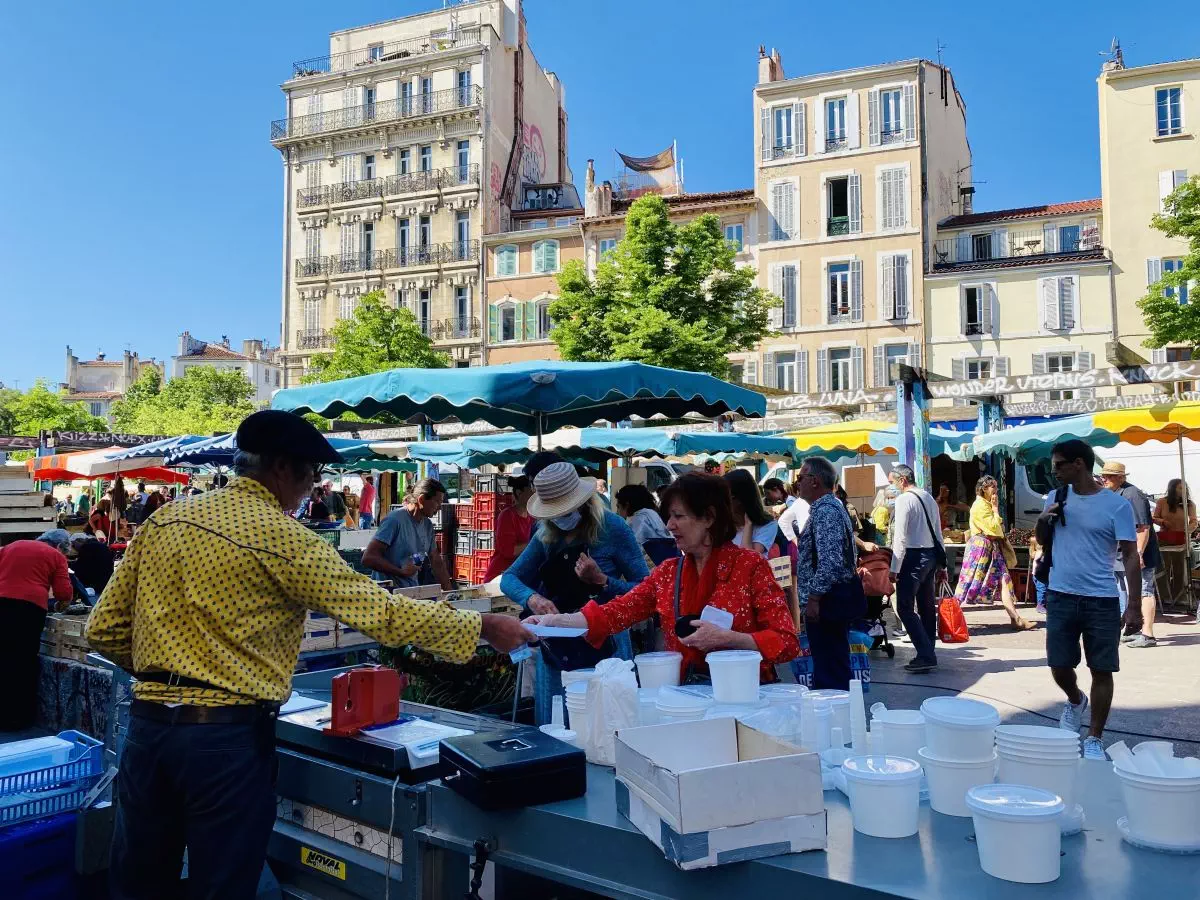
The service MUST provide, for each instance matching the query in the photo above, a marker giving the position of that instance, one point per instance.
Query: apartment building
(257, 361)
(402, 147)
(522, 267)
(98, 383)
(853, 169)
(1020, 292)
(1149, 145)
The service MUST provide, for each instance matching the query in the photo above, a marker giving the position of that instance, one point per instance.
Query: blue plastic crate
(44, 792)
(37, 848)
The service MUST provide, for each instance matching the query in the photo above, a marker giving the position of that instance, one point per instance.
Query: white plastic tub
(17, 757)
(1162, 810)
(648, 706)
(885, 795)
(959, 729)
(1017, 832)
(839, 706)
(1037, 734)
(659, 669)
(902, 732)
(1046, 773)
(675, 705)
(734, 675)
(950, 779)
(783, 694)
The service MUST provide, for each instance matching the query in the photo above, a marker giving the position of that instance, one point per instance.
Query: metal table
(585, 844)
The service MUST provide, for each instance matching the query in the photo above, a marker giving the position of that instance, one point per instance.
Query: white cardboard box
(719, 846)
(718, 773)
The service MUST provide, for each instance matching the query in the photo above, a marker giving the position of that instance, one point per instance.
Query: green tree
(669, 295)
(1170, 320)
(39, 408)
(376, 338)
(203, 400)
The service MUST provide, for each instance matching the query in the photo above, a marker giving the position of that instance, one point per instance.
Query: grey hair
(247, 463)
(904, 472)
(824, 471)
(592, 523)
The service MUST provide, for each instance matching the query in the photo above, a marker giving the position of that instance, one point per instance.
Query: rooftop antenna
(942, 72)
(1115, 55)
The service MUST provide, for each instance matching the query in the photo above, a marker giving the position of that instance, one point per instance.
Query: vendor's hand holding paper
(559, 620)
(708, 637)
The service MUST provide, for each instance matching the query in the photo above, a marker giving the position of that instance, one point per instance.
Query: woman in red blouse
(715, 573)
(514, 525)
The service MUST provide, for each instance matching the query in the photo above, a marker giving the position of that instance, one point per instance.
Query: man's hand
(869, 547)
(540, 605)
(504, 632)
(588, 572)
(408, 570)
(813, 609)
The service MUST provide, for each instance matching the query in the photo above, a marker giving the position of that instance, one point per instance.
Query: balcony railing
(378, 260)
(457, 328)
(375, 113)
(773, 150)
(837, 225)
(389, 52)
(985, 246)
(313, 339)
(835, 142)
(369, 188)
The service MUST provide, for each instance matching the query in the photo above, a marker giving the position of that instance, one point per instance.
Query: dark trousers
(209, 788)
(21, 624)
(829, 643)
(915, 602)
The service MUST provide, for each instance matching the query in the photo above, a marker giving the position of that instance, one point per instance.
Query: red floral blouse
(736, 580)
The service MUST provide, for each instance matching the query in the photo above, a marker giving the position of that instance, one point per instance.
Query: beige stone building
(404, 146)
(256, 360)
(1149, 144)
(98, 383)
(853, 169)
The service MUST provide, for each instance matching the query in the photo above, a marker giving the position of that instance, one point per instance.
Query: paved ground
(1157, 690)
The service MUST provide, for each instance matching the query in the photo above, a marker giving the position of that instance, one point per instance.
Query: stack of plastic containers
(676, 705)
(1043, 757)
(959, 752)
(885, 795)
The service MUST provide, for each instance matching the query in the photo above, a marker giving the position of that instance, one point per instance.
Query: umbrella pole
(539, 432)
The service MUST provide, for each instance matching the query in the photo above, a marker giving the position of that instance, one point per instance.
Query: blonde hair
(590, 525)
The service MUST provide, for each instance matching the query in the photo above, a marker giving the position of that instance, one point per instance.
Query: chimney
(966, 197)
(99, 356)
(590, 182)
(185, 344)
(253, 349)
(770, 68)
(225, 341)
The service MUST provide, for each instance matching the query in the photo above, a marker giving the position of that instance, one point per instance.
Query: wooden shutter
(1066, 301)
(799, 131)
(822, 370)
(750, 370)
(788, 212)
(914, 354)
(856, 289)
(909, 113)
(764, 126)
(962, 248)
(873, 126)
(1039, 368)
(789, 283)
(854, 196)
(1166, 184)
(531, 320)
(958, 372)
(1000, 243)
(879, 364)
(1049, 238)
(550, 256)
(985, 307)
(853, 140)
(900, 283)
(1048, 293)
(1000, 366)
(887, 287)
(775, 316)
(769, 369)
(900, 197)
(1153, 271)
(856, 367)
(802, 371)
(1083, 362)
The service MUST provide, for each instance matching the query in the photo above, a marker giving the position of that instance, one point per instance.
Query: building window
(375, 52)
(783, 210)
(737, 373)
(402, 241)
(893, 282)
(506, 260)
(545, 257)
(368, 242)
(843, 205)
(1175, 265)
(563, 221)
(785, 370)
(346, 306)
(369, 166)
(312, 314)
(424, 311)
(891, 129)
(607, 246)
(463, 158)
(782, 121)
(839, 292)
(893, 353)
(543, 320)
(1058, 298)
(532, 224)
(96, 408)
(1068, 239)
(404, 162)
(462, 235)
(462, 311)
(981, 246)
(1168, 104)
(788, 294)
(464, 87)
(369, 104)
(406, 98)
(733, 236)
(893, 198)
(426, 95)
(427, 158)
(424, 232)
(973, 312)
(508, 322)
(312, 243)
(839, 370)
(979, 369)
(835, 124)
(1060, 362)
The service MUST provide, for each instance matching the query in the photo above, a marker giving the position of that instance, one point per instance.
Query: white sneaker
(1093, 749)
(1072, 715)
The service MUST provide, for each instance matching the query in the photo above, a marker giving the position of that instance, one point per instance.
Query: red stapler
(362, 697)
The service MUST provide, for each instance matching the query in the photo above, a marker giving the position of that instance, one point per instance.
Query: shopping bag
(802, 665)
(952, 624)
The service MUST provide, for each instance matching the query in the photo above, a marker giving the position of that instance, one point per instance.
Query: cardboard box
(719, 846)
(859, 481)
(718, 773)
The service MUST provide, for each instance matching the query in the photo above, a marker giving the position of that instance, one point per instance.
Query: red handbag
(952, 624)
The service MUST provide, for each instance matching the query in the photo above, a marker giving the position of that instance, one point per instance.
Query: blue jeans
(209, 788)
(1041, 587)
(915, 602)
(547, 680)
(366, 520)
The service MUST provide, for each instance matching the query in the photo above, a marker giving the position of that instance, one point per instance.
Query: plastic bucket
(1037, 734)
(885, 795)
(734, 675)
(577, 675)
(783, 694)
(659, 669)
(1037, 752)
(839, 706)
(959, 729)
(1047, 773)
(950, 779)
(674, 705)
(648, 706)
(902, 732)
(1162, 810)
(1017, 832)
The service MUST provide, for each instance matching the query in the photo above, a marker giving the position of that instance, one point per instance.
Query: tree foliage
(204, 400)
(40, 408)
(669, 295)
(1169, 320)
(376, 338)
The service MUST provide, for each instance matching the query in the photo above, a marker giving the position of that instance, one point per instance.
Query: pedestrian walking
(1084, 530)
(915, 566)
(1139, 621)
(984, 575)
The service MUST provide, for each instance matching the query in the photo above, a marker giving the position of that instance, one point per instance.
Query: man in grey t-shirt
(1139, 623)
(405, 539)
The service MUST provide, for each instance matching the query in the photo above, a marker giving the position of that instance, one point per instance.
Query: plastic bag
(952, 624)
(612, 703)
(778, 720)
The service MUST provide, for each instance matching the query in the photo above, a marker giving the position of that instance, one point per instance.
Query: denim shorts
(1147, 585)
(1097, 620)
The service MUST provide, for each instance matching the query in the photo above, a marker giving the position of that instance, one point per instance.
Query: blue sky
(142, 196)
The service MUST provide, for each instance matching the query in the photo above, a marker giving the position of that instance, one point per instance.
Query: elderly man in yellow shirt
(207, 611)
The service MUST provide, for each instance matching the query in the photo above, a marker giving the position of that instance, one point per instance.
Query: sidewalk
(1157, 691)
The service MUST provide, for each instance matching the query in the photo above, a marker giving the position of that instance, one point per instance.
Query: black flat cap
(279, 433)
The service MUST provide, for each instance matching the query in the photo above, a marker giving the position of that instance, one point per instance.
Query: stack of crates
(38, 859)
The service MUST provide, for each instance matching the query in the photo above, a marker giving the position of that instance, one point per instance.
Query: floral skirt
(983, 572)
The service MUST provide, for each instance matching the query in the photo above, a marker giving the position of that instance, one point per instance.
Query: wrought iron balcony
(457, 328)
(313, 339)
(378, 112)
(460, 251)
(988, 245)
(837, 225)
(378, 260)
(391, 185)
(312, 267)
(835, 142)
(414, 181)
(385, 53)
(772, 150)
(891, 136)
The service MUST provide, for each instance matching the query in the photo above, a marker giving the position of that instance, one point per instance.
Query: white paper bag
(612, 703)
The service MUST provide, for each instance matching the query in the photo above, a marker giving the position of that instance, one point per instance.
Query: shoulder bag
(1045, 536)
(939, 549)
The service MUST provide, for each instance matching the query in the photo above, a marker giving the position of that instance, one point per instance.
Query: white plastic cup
(1017, 832)
(557, 719)
(648, 706)
(822, 726)
(1162, 811)
(885, 795)
(959, 729)
(950, 779)
(576, 709)
(658, 669)
(734, 675)
(839, 705)
(1056, 776)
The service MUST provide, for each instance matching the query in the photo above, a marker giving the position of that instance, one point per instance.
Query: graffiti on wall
(533, 161)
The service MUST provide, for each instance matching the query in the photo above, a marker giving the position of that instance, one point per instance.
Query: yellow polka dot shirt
(216, 588)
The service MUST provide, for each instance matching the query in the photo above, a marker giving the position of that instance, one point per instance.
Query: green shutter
(493, 324)
(531, 329)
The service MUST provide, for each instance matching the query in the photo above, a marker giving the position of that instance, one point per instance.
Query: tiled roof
(1017, 262)
(94, 395)
(216, 351)
(1075, 207)
(688, 200)
(100, 362)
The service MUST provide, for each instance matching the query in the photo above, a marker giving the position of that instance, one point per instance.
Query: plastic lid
(734, 710)
(882, 768)
(1014, 801)
(658, 657)
(961, 712)
(1038, 734)
(672, 700)
(910, 717)
(834, 697)
(733, 656)
(782, 693)
(955, 763)
(648, 695)
(576, 687)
